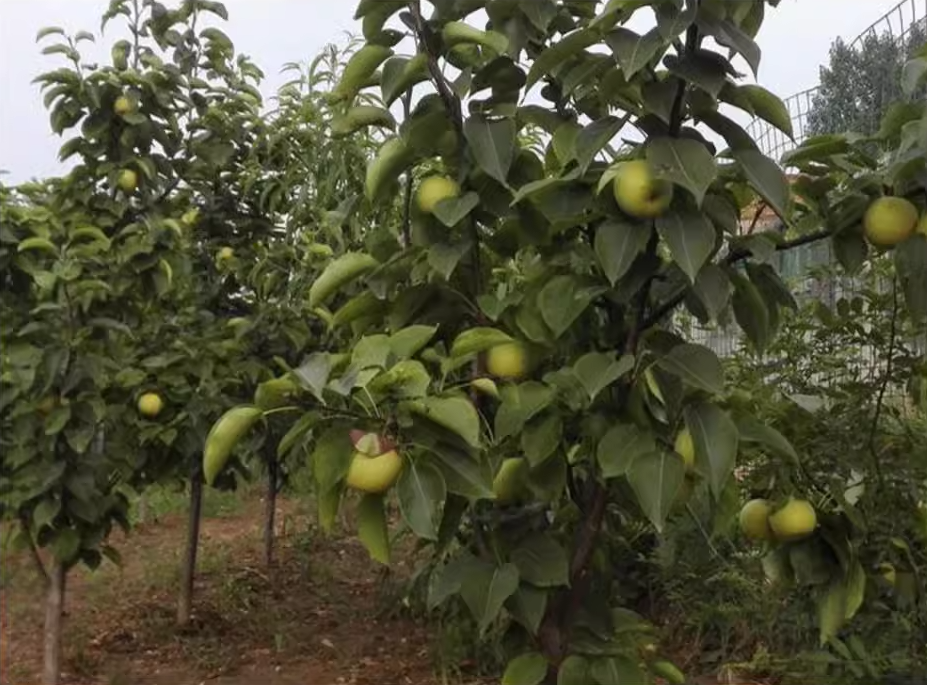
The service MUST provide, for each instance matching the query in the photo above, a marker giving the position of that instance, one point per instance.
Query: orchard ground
(326, 614)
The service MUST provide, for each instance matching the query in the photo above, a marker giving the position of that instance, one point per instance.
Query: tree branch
(735, 256)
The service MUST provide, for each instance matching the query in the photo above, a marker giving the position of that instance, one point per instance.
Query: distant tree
(861, 81)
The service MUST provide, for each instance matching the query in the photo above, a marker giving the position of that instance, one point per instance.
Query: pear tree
(503, 361)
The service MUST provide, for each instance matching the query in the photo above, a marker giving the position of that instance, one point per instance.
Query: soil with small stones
(318, 616)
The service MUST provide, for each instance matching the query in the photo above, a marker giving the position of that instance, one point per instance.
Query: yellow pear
(190, 217)
(889, 221)
(150, 404)
(226, 253)
(434, 189)
(638, 192)
(127, 180)
(123, 105)
(685, 448)
(754, 519)
(922, 224)
(374, 474)
(794, 521)
(510, 479)
(508, 360)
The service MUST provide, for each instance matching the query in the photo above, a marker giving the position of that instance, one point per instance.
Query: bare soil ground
(317, 617)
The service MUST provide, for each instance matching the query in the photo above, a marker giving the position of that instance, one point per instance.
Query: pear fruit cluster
(794, 520)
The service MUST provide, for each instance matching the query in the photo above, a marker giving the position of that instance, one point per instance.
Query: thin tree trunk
(188, 570)
(54, 613)
(270, 509)
(142, 508)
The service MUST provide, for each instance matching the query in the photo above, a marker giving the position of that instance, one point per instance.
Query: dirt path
(318, 617)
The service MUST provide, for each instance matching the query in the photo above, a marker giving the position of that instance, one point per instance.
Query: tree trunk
(54, 613)
(188, 570)
(270, 509)
(142, 509)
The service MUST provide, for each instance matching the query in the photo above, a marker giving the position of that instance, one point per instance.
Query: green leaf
(713, 289)
(575, 670)
(463, 475)
(527, 669)
(559, 53)
(697, 366)
(671, 20)
(406, 343)
(457, 414)
(767, 178)
(632, 50)
(452, 211)
(66, 545)
(618, 670)
(690, 237)
(750, 312)
(421, 491)
(527, 606)
(594, 137)
(715, 438)
(911, 265)
(444, 257)
(492, 144)
(328, 502)
(656, 479)
(541, 561)
(314, 372)
(44, 514)
(855, 583)
(296, 434)
(617, 244)
(621, 446)
(57, 419)
(701, 68)
(485, 589)
(446, 581)
(767, 107)
(597, 370)
(685, 162)
(541, 437)
(332, 456)
(372, 529)
(832, 610)
(519, 404)
(729, 35)
(477, 340)
(561, 302)
(752, 430)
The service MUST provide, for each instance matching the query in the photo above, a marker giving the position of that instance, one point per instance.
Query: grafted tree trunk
(54, 615)
(188, 570)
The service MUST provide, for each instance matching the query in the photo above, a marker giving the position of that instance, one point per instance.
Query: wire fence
(809, 270)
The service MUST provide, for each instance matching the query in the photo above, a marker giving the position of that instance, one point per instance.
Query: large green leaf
(713, 289)
(485, 589)
(656, 479)
(767, 106)
(476, 340)
(457, 414)
(574, 671)
(715, 438)
(559, 53)
(617, 670)
(691, 239)
(728, 34)
(332, 456)
(562, 301)
(767, 178)
(541, 561)
(617, 244)
(597, 370)
(526, 669)
(750, 311)
(422, 492)
(407, 342)
(464, 474)
(541, 438)
(519, 404)
(632, 50)
(752, 430)
(621, 446)
(832, 611)
(372, 529)
(492, 144)
(685, 162)
(590, 141)
(697, 366)
(527, 606)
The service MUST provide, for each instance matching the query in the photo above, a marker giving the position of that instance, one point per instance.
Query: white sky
(795, 40)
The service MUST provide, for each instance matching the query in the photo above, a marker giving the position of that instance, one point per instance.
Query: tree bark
(188, 570)
(270, 508)
(54, 614)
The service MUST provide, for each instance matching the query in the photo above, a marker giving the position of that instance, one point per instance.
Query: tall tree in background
(862, 80)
